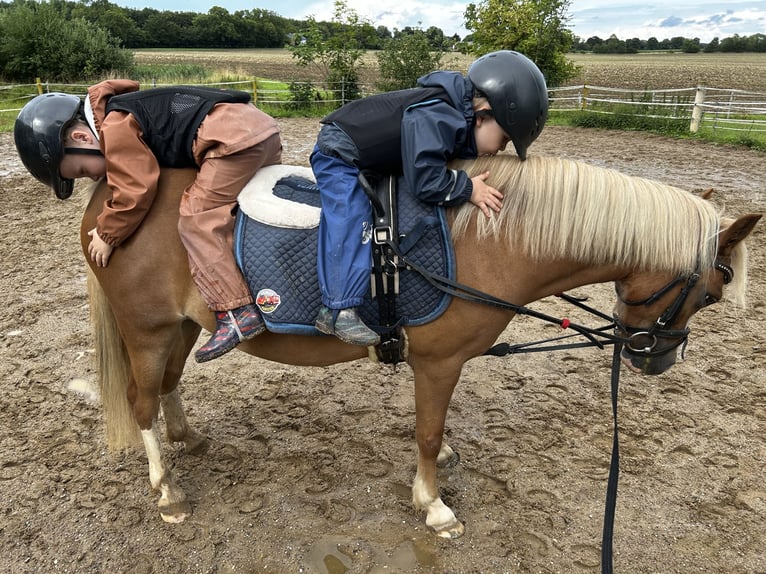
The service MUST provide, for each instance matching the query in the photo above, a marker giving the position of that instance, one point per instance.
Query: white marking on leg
(154, 454)
(439, 516)
(172, 503)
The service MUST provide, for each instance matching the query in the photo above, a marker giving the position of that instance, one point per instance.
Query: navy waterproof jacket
(436, 133)
(429, 130)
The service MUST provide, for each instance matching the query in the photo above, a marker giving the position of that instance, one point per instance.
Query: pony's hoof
(450, 461)
(454, 529)
(176, 513)
(197, 445)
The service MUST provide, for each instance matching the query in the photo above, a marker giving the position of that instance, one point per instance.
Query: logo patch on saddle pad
(275, 244)
(267, 300)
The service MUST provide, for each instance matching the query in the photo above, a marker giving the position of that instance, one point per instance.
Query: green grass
(752, 139)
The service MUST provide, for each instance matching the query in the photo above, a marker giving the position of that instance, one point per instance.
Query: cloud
(671, 22)
(704, 20)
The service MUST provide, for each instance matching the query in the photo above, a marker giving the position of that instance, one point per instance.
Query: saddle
(275, 244)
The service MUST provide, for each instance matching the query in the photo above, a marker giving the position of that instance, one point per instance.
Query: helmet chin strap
(82, 151)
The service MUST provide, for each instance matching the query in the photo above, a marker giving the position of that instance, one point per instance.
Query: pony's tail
(113, 368)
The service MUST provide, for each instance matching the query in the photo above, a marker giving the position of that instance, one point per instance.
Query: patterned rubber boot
(232, 327)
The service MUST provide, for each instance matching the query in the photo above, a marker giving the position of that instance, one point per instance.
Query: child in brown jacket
(127, 135)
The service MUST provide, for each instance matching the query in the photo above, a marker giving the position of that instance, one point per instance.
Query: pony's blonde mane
(557, 208)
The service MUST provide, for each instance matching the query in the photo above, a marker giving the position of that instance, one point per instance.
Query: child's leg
(344, 258)
(206, 224)
(345, 231)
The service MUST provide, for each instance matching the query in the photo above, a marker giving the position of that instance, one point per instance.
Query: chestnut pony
(563, 224)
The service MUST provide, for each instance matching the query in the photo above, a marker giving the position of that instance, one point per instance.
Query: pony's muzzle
(654, 364)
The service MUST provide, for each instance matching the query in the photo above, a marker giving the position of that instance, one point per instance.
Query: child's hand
(485, 197)
(98, 249)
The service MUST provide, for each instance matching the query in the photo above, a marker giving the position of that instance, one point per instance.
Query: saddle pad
(279, 262)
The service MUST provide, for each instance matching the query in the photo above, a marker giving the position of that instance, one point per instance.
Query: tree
(38, 41)
(613, 45)
(216, 28)
(691, 46)
(435, 37)
(404, 59)
(632, 45)
(676, 42)
(756, 43)
(336, 55)
(713, 45)
(533, 27)
(734, 43)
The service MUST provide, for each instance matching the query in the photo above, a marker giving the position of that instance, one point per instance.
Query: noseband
(644, 342)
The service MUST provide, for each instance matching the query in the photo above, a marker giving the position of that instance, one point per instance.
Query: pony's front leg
(172, 504)
(176, 426)
(432, 397)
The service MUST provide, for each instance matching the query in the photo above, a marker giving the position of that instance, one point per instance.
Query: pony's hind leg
(157, 364)
(447, 457)
(177, 427)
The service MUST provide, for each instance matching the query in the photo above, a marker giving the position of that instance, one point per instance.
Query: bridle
(641, 341)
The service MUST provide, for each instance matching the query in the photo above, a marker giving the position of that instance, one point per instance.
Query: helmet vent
(45, 154)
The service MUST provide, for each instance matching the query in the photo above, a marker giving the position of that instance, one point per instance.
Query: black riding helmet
(38, 133)
(516, 90)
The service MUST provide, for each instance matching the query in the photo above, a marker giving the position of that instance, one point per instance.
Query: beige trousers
(206, 222)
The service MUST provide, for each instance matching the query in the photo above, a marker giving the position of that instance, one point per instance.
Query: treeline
(218, 28)
(613, 45)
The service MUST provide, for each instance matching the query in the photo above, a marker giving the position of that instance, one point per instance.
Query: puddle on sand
(337, 554)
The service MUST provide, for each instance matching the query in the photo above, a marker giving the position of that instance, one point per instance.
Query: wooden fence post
(39, 86)
(699, 101)
(255, 92)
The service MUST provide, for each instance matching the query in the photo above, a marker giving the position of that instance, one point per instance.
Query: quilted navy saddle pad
(275, 244)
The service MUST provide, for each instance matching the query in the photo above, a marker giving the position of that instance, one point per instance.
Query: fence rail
(714, 108)
(721, 109)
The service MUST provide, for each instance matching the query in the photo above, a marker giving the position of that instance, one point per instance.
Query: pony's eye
(709, 300)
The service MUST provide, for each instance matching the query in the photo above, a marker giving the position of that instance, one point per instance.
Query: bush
(404, 59)
(619, 121)
(302, 95)
(344, 85)
(37, 41)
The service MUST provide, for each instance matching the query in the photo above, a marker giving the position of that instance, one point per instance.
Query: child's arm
(132, 173)
(485, 197)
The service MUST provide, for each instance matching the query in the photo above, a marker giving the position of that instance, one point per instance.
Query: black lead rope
(614, 471)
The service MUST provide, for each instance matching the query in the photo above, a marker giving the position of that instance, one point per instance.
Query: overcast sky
(703, 19)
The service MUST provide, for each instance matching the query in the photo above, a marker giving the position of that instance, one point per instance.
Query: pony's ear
(707, 194)
(736, 232)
